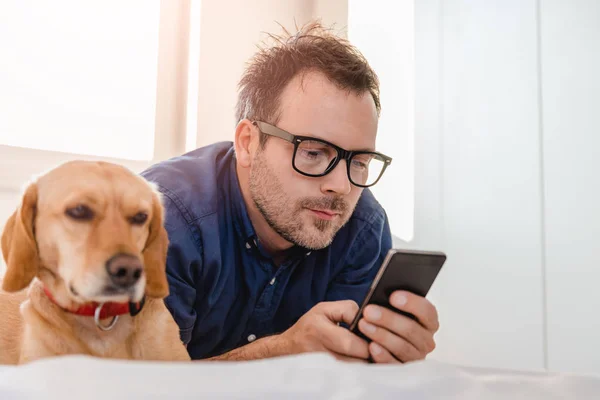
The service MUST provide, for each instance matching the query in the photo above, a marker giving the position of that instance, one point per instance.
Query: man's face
(308, 211)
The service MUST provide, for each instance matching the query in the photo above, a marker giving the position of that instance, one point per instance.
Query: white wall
(477, 74)
(505, 183)
(570, 54)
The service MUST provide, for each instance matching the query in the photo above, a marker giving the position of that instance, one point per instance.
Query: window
(88, 80)
(81, 78)
(384, 32)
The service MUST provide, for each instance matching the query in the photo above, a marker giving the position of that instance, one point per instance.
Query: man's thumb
(341, 311)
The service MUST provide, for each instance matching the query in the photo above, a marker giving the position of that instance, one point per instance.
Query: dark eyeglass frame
(342, 154)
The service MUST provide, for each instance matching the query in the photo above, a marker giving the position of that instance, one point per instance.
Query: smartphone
(410, 270)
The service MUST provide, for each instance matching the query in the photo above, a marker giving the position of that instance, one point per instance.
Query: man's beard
(284, 215)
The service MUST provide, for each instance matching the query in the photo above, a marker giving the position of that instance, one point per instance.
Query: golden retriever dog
(85, 255)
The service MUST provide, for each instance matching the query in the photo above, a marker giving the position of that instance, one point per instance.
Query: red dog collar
(108, 310)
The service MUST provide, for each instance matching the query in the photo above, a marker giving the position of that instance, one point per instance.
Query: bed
(309, 376)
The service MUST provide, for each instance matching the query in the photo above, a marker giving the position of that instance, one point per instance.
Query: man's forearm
(267, 347)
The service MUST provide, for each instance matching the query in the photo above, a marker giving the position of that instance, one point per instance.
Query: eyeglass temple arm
(274, 131)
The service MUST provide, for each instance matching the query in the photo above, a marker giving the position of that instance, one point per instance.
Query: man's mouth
(325, 214)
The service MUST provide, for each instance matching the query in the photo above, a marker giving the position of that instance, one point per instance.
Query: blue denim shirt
(225, 291)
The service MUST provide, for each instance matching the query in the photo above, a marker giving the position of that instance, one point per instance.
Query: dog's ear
(19, 248)
(155, 252)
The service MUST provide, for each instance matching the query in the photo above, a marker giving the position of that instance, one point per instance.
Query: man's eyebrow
(370, 149)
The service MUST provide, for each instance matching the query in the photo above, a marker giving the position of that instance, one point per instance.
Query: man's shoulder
(366, 230)
(363, 242)
(191, 182)
(368, 210)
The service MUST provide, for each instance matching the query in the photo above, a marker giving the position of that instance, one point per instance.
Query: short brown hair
(312, 48)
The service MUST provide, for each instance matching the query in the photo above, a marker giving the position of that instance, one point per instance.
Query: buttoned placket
(264, 306)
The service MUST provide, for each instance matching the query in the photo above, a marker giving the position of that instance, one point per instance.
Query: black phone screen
(409, 270)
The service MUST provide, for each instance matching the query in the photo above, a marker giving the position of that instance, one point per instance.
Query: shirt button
(251, 338)
(308, 254)
(272, 281)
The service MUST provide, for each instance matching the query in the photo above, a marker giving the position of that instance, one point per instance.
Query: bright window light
(79, 76)
(191, 138)
(384, 32)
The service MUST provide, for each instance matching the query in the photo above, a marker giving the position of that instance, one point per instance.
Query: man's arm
(316, 331)
(267, 347)
(183, 263)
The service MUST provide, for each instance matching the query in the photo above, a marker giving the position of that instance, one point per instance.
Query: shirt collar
(241, 219)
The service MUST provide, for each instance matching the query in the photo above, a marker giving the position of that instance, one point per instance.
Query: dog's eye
(80, 212)
(139, 218)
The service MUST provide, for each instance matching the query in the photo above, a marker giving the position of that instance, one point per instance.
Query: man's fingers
(337, 339)
(341, 357)
(341, 341)
(340, 311)
(400, 325)
(418, 306)
(401, 348)
(381, 355)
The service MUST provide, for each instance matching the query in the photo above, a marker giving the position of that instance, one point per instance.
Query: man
(274, 239)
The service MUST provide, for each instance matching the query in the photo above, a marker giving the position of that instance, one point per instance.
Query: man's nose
(124, 270)
(337, 180)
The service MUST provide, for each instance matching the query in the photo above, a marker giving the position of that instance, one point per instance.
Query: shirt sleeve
(184, 263)
(366, 255)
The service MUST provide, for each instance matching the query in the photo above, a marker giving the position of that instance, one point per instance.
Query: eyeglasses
(316, 157)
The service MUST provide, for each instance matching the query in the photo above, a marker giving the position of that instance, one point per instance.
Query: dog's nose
(124, 270)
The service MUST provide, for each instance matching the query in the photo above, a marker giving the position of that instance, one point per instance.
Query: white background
(506, 182)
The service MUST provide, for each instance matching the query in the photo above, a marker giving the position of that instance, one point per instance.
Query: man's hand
(397, 338)
(318, 330)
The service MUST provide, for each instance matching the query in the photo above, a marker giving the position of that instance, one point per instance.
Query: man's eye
(139, 218)
(80, 212)
(311, 154)
(359, 164)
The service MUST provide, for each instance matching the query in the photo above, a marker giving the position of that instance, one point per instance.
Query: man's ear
(246, 142)
(19, 247)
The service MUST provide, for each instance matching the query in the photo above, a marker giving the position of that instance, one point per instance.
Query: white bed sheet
(309, 376)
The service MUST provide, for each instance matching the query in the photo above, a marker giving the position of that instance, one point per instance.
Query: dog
(85, 255)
